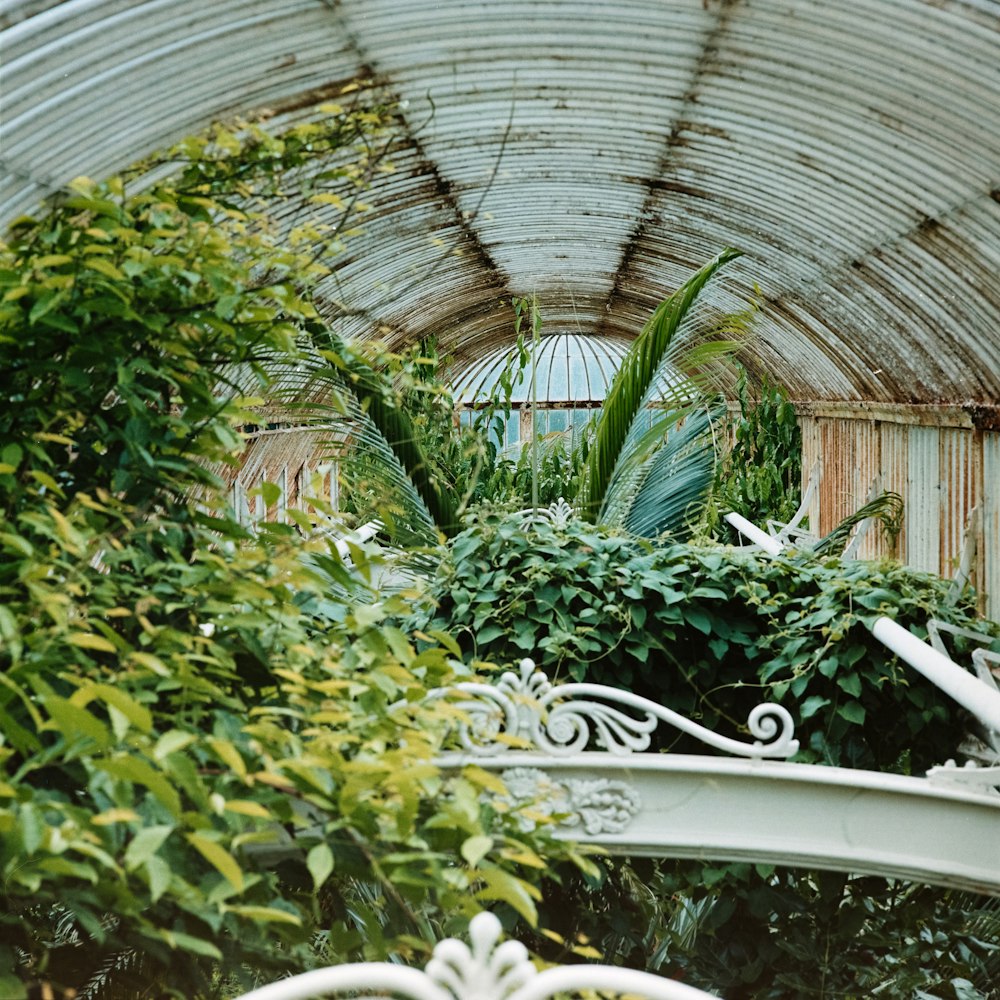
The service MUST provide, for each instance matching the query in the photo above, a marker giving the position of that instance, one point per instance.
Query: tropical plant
(760, 476)
(210, 771)
(623, 449)
(648, 463)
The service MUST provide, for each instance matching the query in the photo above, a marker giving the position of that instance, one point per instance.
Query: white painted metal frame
(488, 970)
(752, 806)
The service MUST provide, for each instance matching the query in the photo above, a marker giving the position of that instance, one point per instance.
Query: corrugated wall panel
(812, 464)
(942, 473)
(961, 469)
(989, 548)
(837, 484)
(923, 499)
(868, 477)
(894, 466)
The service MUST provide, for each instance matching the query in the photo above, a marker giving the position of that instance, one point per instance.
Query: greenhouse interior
(523, 471)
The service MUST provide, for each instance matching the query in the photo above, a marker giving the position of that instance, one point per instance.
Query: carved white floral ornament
(598, 805)
(485, 969)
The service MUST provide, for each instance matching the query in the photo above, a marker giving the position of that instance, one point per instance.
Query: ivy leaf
(853, 712)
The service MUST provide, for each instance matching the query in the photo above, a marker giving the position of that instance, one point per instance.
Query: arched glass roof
(568, 367)
(593, 154)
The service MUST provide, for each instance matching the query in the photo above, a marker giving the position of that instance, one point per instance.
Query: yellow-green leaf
(142, 772)
(87, 640)
(105, 267)
(230, 756)
(136, 714)
(110, 816)
(170, 742)
(247, 807)
(265, 913)
(319, 861)
(220, 859)
(145, 844)
(474, 849)
(509, 889)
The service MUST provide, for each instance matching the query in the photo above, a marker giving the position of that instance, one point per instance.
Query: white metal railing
(576, 755)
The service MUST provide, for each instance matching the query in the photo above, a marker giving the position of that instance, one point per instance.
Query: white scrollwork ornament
(971, 775)
(599, 805)
(485, 969)
(525, 710)
(558, 514)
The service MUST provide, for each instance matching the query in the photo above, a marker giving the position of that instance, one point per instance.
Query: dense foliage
(209, 771)
(214, 769)
(761, 474)
(756, 932)
(708, 630)
(711, 632)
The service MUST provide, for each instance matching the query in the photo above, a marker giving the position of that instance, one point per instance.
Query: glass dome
(572, 375)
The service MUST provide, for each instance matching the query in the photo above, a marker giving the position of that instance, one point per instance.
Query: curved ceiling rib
(593, 154)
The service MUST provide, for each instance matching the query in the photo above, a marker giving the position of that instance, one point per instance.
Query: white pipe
(967, 689)
(748, 529)
(362, 534)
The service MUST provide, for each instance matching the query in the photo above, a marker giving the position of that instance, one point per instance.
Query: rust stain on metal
(671, 185)
(327, 92)
(701, 128)
(708, 63)
(984, 416)
(942, 473)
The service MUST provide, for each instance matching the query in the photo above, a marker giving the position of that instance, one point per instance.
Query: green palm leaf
(640, 377)
(394, 426)
(349, 405)
(672, 482)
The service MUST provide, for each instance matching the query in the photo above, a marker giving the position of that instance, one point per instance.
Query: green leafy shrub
(709, 631)
(209, 771)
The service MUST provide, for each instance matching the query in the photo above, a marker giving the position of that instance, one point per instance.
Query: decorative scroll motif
(601, 805)
(970, 775)
(527, 711)
(488, 970)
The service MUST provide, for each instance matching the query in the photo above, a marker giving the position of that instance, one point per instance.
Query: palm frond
(637, 379)
(382, 487)
(393, 424)
(660, 497)
(669, 400)
(345, 403)
(887, 508)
